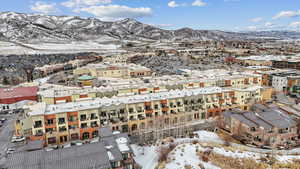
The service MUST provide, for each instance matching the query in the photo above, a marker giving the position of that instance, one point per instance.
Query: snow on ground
(74, 46)
(185, 153)
(146, 156)
(7, 48)
(42, 80)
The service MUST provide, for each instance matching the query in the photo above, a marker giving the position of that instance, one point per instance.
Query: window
(50, 121)
(93, 116)
(156, 106)
(52, 140)
(115, 164)
(49, 130)
(122, 111)
(125, 156)
(72, 118)
(74, 136)
(131, 110)
(83, 117)
(61, 120)
(94, 124)
(62, 129)
(103, 114)
(83, 125)
(38, 124)
(95, 134)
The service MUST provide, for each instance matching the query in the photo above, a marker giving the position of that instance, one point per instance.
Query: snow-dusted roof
(42, 108)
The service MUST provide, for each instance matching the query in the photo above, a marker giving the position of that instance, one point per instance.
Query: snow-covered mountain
(32, 28)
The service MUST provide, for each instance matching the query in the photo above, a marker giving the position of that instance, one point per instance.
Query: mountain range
(37, 28)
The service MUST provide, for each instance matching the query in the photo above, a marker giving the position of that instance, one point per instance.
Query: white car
(78, 144)
(49, 149)
(66, 145)
(96, 140)
(17, 139)
(10, 150)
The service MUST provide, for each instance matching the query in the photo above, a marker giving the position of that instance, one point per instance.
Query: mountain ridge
(36, 28)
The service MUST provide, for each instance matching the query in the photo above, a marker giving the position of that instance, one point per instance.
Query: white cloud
(116, 12)
(252, 28)
(43, 7)
(199, 3)
(258, 19)
(173, 4)
(287, 14)
(78, 3)
(269, 24)
(294, 25)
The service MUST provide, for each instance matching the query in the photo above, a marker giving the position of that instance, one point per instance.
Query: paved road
(5, 136)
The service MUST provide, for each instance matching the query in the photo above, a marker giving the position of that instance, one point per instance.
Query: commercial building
(13, 95)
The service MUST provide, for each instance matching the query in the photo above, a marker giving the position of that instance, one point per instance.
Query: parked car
(10, 150)
(16, 139)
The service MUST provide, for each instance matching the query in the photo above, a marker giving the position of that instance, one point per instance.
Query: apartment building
(278, 61)
(285, 81)
(114, 70)
(262, 126)
(126, 87)
(60, 123)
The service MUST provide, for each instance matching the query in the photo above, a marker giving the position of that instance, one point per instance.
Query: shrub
(164, 152)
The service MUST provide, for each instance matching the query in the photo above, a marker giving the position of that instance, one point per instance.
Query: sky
(229, 15)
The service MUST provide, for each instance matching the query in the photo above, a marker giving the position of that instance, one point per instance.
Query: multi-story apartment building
(123, 87)
(114, 70)
(60, 123)
(289, 62)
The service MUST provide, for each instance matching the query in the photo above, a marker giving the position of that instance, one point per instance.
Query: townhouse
(263, 126)
(60, 123)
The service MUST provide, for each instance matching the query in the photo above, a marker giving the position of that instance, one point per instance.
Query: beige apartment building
(114, 70)
(60, 123)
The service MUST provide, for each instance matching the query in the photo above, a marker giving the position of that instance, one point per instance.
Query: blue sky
(233, 15)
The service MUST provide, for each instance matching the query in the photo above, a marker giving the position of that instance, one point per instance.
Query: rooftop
(42, 108)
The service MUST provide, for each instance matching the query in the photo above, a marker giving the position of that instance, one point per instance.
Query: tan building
(114, 70)
(60, 123)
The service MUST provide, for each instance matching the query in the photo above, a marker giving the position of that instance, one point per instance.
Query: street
(6, 133)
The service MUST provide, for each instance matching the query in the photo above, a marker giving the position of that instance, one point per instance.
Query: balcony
(39, 134)
(150, 111)
(83, 119)
(37, 125)
(94, 125)
(94, 117)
